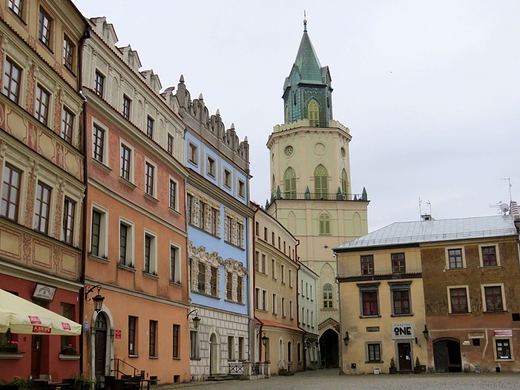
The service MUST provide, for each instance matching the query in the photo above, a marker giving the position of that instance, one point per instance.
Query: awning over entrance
(22, 316)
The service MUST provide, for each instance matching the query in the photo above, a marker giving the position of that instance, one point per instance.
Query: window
(241, 348)
(149, 254)
(240, 284)
(98, 239)
(369, 299)
(241, 189)
(265, 234)
(99, 84)
(290, 278)
(321, 182)
(211, 166)
(344, 181)
(240, 235)
(12, 79)
(132, 333)
(149, 127)
(170, 144)
(503, 349)
(126, 106)
(213, 281)
(367, 265)
(98, 147)
(327, 296)
(257, 298)
(373, 351)
(227, 178)
(273, 268)
(41, 109)
(173, 194)
(175, 272)
(194, 344)
(282, 271)
(274, 304)
(67, 124)
(302, 319)
(401, 302)
(126, 162)
(153, 339)
(264, 300)
(229, 286)
(289, 182)
(150, 179)
(192, 154)
(489, 256)
(42, 208)
(176, 339)
(125, 244)
(67, 311)
(69, 208)
(289, 351)
(324, 224)
(16, 6)
(201, 280)
(227, 229)
(213, 220)
(455, 259)
(283, 307)
(202, 214)
(189, 208)
(231, 347)
(314, 113)
(493, 297)
(68, 53)
(257, 261)
(291, 310)
(458, 300)
(398, 263)
(44, 29)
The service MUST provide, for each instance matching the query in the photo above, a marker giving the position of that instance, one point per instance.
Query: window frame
(10, 78)
(509, 341)
(194, 345)
(483, 256)
(68, 53)
(99, 147)
(176, 330)
(127, 106)
(132, 335)
(45, 28)
(67, 124)
(17, 7)
(102, 250)
(227, 178)
(367, 293)
(40, 214)
(449, 256)
(175, 264)
(149, 126)
(170, 144)
(150, 174)
(193, 153)
(69, 218)
(367, 265)
(152, 339)
(173, 195)
(126, 170)
(398, 262)
(128, 259)
(370, 356)
(99, 83)
(42, 104)
(451, 309)
(485, 288)
(150, 253)
(328, 295)
(211, 166)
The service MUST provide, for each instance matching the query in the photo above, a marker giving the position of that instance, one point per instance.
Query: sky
(429, 90)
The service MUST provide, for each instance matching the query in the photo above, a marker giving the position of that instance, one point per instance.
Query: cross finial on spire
(304, 21)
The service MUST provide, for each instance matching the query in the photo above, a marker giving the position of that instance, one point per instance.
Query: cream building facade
(308, 315)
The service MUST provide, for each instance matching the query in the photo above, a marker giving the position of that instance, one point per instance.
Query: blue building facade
(219, 224)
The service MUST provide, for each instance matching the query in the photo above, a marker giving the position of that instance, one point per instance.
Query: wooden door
(36, 356)
(405, 356)
(100, 345)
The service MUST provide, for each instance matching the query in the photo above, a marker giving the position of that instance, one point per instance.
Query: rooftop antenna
(509, 185)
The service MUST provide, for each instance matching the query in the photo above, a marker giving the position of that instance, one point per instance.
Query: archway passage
(446, 355)
(329, 349)
(213, 355)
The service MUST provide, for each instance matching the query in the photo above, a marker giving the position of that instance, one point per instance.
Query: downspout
(341, 372)
(252, 289)
(83, 149)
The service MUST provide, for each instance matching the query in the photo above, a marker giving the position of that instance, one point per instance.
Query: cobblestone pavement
(330, 380)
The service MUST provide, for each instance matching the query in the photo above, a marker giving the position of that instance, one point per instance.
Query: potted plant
(69, 350)
(9, 346)
(417, 368)
(393, 368)
(15, 384)
(82, 382)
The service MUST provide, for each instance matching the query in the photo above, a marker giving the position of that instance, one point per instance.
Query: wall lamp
(98, 299)
(265, 339)
(196, 319)
(426, 332)
(346, 339)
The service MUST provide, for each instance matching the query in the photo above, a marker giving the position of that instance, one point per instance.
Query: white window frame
(227, 178)
(154, 186)
(153, 252)
(483, 294)
(463, 251)
(177, 278)
(130, 258)
(448, 288)
(132, 160)
(241, 189)
(367, 360)
(211, 166)
(497, 253)
(106, 137)
(103, 230)
(193, 154)
(176, 208)
(511, 348)
(275, 303)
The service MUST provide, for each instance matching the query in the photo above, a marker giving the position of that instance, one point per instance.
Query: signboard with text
(402, 330)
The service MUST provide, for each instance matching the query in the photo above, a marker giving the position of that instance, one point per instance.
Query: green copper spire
(307, 90)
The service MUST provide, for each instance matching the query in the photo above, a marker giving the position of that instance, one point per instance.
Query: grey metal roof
(401, 233)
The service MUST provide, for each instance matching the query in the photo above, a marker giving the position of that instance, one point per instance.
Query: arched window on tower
(327, 296)
(289, 184)
(344, 182)
(321, 182)
(324, 224)
(314, 113)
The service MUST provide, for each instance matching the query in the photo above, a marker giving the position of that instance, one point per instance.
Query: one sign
(118, 333)
(44, 292)
(504, 333)
(85, 326)
(402, 330)
(41, 329)
(476, 335)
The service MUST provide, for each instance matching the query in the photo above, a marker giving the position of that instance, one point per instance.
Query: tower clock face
(288, 150)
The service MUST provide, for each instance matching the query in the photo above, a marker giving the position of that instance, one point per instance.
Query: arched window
(321, 182)
(327, 296)
(313, 113)
(289, 352)
(324, 224)
(289, 183)
(344, 182)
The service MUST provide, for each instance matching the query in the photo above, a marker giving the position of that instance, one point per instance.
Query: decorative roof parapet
(210, 128)
(306, 123)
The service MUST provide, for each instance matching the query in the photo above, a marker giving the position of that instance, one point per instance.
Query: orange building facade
(135, 222)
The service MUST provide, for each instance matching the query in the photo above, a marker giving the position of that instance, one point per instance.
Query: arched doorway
(446, 355)
(213, 354)
(329, 349)
(100, 327)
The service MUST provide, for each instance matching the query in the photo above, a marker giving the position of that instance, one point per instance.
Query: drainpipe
(83, 149)
(341, 372)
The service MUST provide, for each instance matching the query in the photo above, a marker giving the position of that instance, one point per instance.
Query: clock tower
(310, 181)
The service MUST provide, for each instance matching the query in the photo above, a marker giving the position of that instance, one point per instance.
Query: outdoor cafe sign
(402, 330)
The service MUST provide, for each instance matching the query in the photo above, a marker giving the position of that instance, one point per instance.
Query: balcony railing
(332, 196)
